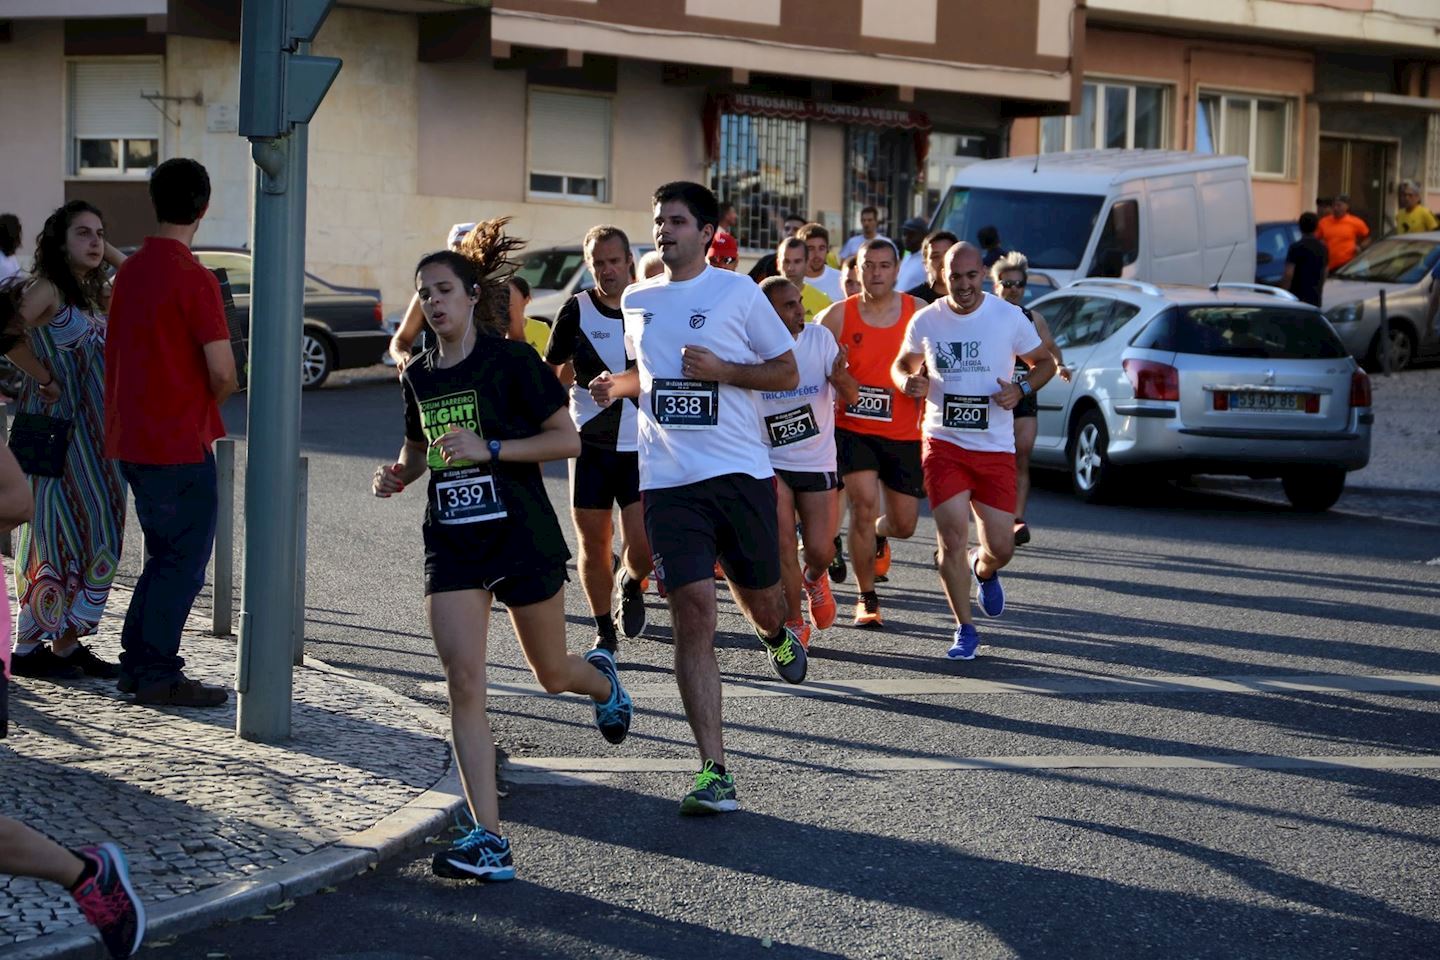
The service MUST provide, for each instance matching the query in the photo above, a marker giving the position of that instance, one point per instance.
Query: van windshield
(1051, 229)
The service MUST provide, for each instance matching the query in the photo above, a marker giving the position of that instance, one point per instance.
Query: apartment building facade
(558, 113)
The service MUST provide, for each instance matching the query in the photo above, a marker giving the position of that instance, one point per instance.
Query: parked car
(1037, 285)
(1272, 244)
(555, 274)
(1401, 266)
(343, 327)
(1234, 379)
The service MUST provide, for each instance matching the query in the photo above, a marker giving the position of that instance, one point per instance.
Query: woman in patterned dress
(65, 558)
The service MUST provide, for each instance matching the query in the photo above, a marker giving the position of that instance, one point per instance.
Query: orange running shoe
(719, 571)
(801, 629)
(882, 556)
(867, 614)
(822, 602)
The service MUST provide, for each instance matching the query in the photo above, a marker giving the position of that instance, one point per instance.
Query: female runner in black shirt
(481, 414)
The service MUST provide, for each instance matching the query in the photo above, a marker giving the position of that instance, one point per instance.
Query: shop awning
(796, 108)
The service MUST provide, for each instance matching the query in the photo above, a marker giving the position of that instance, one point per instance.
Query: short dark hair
(932, 238)
(699, 200)
(868, 209)
(874, 242)
(602, 232)
(1309, 222)
(726, 207)
(770, 283)
(787, 218)
(988, 236)
(179, 191)
(9, 234)
(813, 230)
(521, 284)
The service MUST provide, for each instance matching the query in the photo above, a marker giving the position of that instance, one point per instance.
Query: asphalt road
(1050, 798)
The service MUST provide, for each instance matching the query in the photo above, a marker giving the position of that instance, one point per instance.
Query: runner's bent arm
(410, 328)
(906, 374)
(564, 337)
(1047, 342)
(1042, 368)
(777, 373)
(846, 386)
(409, 466)
(609, 387)
(557, 440)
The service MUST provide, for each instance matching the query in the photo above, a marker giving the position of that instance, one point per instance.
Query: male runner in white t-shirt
(790, 257)
(800, 426)
(818, 273)
(704, 341)
(968, 343)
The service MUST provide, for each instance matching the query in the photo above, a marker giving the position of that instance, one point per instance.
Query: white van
(1157, 215)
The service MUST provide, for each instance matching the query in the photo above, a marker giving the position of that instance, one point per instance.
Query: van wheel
(1314, 490)
(1093, 477)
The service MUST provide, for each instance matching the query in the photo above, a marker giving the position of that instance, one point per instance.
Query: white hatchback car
(1234, 379)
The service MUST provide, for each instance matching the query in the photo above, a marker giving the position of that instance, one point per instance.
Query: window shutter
(570, 134)
(105, 98)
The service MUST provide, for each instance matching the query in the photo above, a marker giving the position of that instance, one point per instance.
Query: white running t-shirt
(800, 424)
(966, 354)
(828, 283)
(692, 430)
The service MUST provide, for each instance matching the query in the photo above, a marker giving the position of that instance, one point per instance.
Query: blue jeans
(175, 504)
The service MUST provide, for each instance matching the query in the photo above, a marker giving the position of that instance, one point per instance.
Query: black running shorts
(896, 461)
(730, 518)
(601, 479)
(800, 482)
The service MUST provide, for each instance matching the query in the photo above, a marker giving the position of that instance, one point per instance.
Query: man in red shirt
(1343, 233)
(168, 366)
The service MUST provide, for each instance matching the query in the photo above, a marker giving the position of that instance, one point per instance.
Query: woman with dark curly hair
(65, 558)
(9, 245)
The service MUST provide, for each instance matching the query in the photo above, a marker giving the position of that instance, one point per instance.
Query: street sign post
(281, 86)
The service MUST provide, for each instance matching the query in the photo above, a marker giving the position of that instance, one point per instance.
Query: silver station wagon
(1173, 380)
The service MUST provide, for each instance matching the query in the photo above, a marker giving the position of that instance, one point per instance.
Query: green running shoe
(713, 793)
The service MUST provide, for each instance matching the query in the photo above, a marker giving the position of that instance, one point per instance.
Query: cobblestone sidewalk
(191, 804)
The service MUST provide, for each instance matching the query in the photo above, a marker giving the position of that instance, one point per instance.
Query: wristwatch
(1025, 389)
(494, 446)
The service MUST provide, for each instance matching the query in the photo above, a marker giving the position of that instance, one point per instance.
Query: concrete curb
(347, 857)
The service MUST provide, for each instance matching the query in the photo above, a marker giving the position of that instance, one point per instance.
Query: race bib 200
(792, 426)
(467, 495)
(874, 403)
(685, 404)
(966, 412)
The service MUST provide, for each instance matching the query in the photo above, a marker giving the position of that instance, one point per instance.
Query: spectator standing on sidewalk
(1413, 217)
(1343, 233)
(9, 245)
(768, 265)
(869, 230)
(65, 558)
(989, 239)
(1305, 263)
(912, 267)
(168, 367)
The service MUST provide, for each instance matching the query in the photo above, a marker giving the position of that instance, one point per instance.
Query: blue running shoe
(967, 641)
(787, 656)
(479, 855)
(108, 900)
(714, 793)
(612, 716)
(991, 594)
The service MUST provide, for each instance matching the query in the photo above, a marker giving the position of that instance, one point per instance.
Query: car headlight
(1345, 313)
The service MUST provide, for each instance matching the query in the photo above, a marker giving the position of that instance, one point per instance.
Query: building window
(1257, 128)
(1112, 114)
(1432, 155)
(763, 169)
(569, 147)
(950, 153)
(114, 130)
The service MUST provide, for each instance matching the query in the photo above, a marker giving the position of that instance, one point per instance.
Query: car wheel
(1092, 476)
(1402, 348)
(1314, 490)
(317, 359)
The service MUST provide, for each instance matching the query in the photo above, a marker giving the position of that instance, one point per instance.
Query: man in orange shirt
(1343, 233)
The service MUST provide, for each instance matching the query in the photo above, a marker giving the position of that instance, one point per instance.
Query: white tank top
(799, 424)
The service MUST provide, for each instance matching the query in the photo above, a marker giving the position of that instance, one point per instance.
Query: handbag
(40, 443)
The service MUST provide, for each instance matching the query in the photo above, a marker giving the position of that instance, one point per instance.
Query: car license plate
(1268, 402)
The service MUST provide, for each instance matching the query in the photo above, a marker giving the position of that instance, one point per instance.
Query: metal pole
(7, 543)
(222, 617)
(1384, 336)
(302, 510)
(267, 599)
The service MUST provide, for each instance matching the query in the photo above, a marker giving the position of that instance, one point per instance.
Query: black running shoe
(610, 644)
(109, 902)
(788, 657)
(1022, 533)
(91, 665)
(42, 664)
(632, 606)
(479, 855)
(837, 566)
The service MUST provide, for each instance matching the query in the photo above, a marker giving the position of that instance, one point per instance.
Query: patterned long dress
(65, 558)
